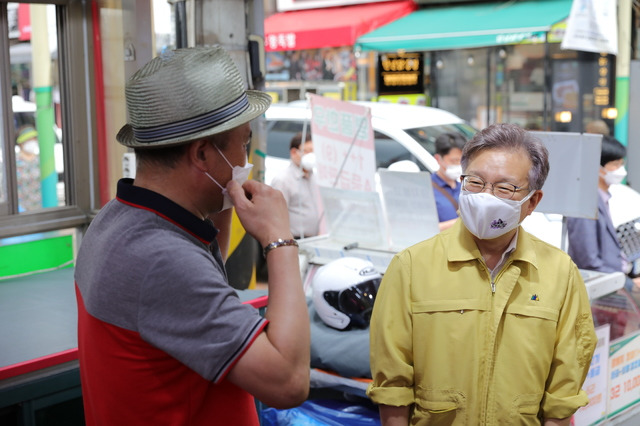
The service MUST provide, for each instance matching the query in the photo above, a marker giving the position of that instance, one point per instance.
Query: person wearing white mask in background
(299, 188)
(28, 170)
(484, 323)
(594, 243)
(446, 181)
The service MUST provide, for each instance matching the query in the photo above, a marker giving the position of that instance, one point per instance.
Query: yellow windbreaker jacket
(462, 354)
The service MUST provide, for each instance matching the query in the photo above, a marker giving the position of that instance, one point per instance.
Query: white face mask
(487, 216)
(31, 147)
(616, 176)
(238, 173)
(308, 161)
(453, 172)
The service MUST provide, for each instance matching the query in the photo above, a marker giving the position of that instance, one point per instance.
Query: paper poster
(624, 373)
(343, 144)
(595, 385)
(355, 217)
(592, 26)
(410, 207)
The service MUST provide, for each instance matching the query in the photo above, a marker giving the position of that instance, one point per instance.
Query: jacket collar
(462, 246)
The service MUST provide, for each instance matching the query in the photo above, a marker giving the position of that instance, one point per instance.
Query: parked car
(401, 132)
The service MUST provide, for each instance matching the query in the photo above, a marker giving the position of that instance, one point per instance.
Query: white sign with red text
(595, 385)
(343, 144)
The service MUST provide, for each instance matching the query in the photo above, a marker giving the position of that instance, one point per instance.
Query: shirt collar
(605, 195)
(466, 249)
(146, 199)
(438, 179)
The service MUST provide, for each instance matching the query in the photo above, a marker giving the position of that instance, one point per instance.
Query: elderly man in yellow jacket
(484, 324)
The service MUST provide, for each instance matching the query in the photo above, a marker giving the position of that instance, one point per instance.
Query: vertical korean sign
(343, 144)
(595, 385)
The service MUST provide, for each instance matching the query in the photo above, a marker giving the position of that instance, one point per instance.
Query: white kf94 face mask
(487, 216)
(616, 176)
(453, 172)
(238, 173)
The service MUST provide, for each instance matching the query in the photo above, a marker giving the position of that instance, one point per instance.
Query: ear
(198, 153)
(534, 201)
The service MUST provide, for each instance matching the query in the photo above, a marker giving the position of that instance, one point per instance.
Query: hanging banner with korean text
(592, 26)
(595, 385)
(343, 144)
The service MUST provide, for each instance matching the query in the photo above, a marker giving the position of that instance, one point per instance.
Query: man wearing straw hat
(162, 337)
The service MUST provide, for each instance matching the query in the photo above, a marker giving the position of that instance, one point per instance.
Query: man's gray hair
(505, 136)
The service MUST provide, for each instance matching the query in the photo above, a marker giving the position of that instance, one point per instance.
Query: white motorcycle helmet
(344, 291)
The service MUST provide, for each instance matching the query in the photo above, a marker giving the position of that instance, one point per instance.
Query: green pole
(46, 140)
(41, 71)
(621, 124)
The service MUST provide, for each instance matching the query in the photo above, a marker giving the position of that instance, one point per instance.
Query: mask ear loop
(215, 181)
(225, 158)
(224, 190)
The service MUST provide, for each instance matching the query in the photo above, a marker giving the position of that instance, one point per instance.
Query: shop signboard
(284, 5)
(400, 73)
(595, 385)
(624, 373)
(343, 144)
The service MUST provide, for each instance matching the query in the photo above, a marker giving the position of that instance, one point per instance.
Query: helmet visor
(359, 298)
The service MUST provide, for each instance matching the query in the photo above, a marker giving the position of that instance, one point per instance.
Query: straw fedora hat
(185, 95)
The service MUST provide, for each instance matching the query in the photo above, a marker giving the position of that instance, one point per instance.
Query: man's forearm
(557, 422)
(394, 416)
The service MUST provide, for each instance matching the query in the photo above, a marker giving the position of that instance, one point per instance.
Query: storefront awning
(467, 26)
(330, 27)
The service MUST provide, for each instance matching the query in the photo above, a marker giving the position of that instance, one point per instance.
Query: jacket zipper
(489, 369)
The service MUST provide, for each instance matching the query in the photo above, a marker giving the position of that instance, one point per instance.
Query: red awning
(330, 27)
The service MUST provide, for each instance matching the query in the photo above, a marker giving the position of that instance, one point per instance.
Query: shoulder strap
(446, 194)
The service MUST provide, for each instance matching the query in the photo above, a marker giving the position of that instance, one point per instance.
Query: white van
(401, 132)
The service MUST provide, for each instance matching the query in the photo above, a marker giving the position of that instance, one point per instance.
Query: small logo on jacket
(498, 224)
(535, 297)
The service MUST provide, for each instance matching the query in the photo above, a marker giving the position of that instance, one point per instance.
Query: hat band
(194, 124)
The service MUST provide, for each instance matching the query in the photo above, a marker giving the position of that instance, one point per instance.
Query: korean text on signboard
(343, 144)
(595, 384)
(624, 373)
(400, 73)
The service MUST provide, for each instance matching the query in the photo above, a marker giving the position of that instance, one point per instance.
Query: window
(389, 151)
(279, 135)
(45, 179)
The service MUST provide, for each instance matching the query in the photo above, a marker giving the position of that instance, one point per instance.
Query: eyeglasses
(503, 190)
